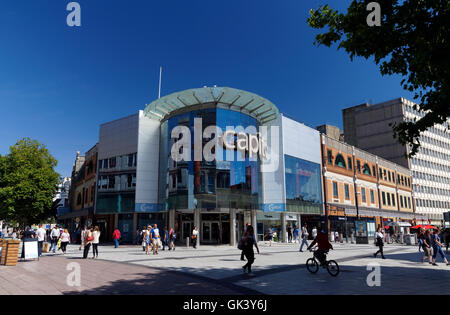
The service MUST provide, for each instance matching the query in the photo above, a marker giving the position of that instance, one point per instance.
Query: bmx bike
(312, 264)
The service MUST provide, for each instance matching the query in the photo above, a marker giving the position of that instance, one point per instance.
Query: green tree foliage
(27, 183)
(412, 40)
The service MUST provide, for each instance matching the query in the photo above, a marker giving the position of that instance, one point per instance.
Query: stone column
(255, 224)
(135, 226)
(232, 227)
(283, 228)
(171, 219)
(116, 221)
(197, 224)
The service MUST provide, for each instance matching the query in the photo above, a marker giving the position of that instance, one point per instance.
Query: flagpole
(159, 90)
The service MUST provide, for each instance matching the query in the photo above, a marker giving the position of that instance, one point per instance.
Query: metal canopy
(248, 103)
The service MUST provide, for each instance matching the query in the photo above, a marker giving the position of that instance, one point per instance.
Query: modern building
(156, 167)
(369, 127)
(363, 191)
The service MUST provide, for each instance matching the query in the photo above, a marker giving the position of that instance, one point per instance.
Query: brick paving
(280, 269)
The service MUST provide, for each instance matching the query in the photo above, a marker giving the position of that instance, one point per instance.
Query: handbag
(59, 243)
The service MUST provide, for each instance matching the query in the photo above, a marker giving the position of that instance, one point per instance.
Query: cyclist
(323, 247)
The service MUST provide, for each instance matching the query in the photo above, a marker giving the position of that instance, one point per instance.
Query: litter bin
(9, 252)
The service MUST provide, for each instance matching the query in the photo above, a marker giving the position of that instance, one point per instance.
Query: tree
(412, 40)
(27, 183)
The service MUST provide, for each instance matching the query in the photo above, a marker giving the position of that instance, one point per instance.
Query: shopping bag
(59, 244)
(45, 247)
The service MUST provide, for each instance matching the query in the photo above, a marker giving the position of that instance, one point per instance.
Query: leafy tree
(27, 183)
(412, 40)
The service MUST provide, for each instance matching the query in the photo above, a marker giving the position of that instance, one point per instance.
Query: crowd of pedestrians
(431, 243)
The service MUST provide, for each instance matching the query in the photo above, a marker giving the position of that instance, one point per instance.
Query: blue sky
(57, 84)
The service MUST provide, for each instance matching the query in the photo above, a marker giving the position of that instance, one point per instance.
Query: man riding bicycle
(323, 246)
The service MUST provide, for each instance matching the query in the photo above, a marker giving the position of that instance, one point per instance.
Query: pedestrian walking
(41, 235)
(172, 239)
(289, 232)
(437, 247)
(116, 237)
(296, 235)
(95, 242)
(54, 237)
(143, 234)
(268, 236)
(89, 237)
(314, 232)
(379, 236)
(65, 239)
(248, 243)
(165, 240)
(147, 239)
(336, 236)
(156, 239)
(427, 246)
(305, 235)
(194, 237)
(82, 237)
(245, 230)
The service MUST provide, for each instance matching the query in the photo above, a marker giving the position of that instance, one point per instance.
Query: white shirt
(40, 234)
(314, 233)
(96, 235)
(55, 233)
(195, 232)
(65, 237)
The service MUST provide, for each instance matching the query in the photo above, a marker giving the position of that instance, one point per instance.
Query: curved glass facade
(232, 182)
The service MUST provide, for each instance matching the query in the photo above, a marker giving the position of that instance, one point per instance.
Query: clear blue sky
(57, 84)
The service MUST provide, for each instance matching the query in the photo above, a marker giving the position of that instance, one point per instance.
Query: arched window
(79, 199)
(366, 169)
(340, 161)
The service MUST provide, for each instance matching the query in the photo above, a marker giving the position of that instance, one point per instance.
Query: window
(329, 157)
(372, 196)
(92, 193)
(340, 161)
(388, 199)
(347, 191)
(409, 203)
(383, 196)
(389, 176)
(105, 163)
(366, 169)
(349, 162)
(130, 160)
(401, 201)
(100, 164)
(363, 195)
(358, 166)
(111, 181)
(393, 200)
(374, 171)
(112, 162)
(335, 190)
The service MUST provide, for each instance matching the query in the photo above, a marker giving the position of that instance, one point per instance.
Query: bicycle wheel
(312, 265)
(332, 268)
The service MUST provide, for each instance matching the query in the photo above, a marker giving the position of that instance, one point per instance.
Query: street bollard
(187, 242)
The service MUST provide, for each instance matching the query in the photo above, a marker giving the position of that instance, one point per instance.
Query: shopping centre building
(216, 158)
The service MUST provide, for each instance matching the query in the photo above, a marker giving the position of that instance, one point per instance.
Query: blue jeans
(53, 245)
(116, 243)
(437, 249)
(304, 241)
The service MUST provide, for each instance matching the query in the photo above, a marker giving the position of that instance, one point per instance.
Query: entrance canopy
(238, 100)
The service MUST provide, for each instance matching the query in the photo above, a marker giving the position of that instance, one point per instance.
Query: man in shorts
(156, 239)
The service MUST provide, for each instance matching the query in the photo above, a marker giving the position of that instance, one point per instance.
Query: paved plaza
(279, 269)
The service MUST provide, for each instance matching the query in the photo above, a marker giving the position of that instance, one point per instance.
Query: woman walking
(249, 241)
(65, 239)
(147, 240)
(95, 242)
(89, 237)
(437, 247)
(379, 236)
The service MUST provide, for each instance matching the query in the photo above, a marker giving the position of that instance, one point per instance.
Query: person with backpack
(116, 237)
(246, 244)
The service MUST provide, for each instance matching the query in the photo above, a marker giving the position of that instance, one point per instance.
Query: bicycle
(312, 264)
